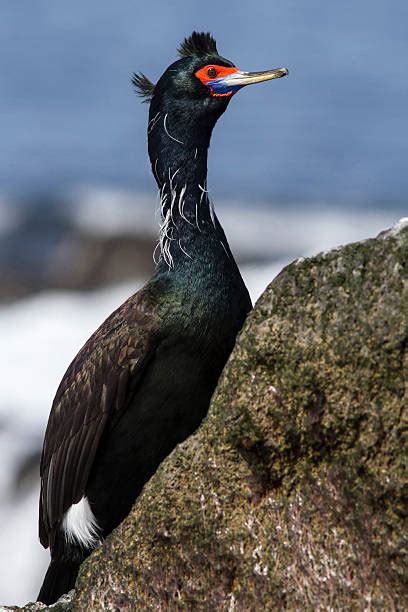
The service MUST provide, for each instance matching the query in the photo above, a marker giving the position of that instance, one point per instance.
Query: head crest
(199, 43)
(143, 86)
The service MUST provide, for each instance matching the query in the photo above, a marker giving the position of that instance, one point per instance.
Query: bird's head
(196, 89)
(186, 102)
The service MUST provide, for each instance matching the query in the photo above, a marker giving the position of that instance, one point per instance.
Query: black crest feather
(143, 86)
(199, 43)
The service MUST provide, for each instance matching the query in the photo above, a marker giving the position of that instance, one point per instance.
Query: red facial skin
(222, 71)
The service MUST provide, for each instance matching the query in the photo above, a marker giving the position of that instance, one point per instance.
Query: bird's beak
(240, 78)
(228, 84)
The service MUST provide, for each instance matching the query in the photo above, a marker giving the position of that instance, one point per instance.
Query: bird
(143, 381)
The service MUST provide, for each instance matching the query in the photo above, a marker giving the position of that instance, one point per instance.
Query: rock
(64, 604)
(50, 246)
(75, 261)
(293, 492)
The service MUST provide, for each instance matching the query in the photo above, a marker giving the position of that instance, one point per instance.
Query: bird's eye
(212, 72)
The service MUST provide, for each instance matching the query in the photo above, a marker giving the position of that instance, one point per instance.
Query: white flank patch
(80, 524)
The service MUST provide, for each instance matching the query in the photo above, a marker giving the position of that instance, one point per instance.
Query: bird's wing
(97, 386)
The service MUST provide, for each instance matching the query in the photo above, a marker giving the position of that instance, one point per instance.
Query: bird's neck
(179, 164)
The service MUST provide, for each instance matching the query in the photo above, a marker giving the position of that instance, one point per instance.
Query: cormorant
(143, 382)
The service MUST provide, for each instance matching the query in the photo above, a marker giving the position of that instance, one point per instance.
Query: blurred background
(296, 166)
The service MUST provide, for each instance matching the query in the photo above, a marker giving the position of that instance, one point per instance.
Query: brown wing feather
(97, 385)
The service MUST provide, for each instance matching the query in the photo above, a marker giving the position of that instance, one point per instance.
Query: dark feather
(199, 43)
(143, 86)
(96, 388)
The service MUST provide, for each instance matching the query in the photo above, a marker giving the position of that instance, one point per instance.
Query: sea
(296, 166)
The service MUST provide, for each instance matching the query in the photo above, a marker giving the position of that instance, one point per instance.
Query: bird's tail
(59, 579)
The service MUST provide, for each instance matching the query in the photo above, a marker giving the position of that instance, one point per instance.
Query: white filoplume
(79, 524)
